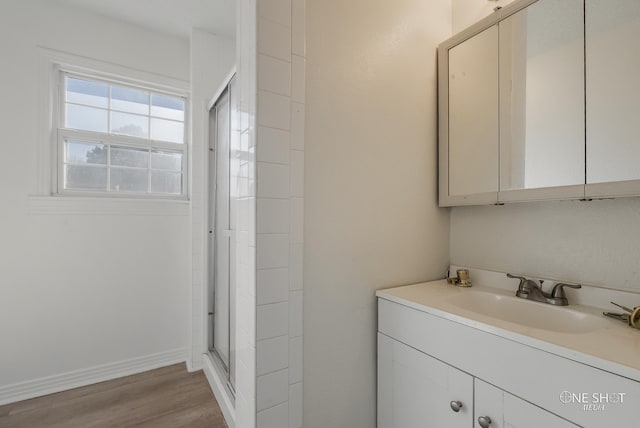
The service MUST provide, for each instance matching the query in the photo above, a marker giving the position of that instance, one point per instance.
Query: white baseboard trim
(61, 382)
(193, 366)
(219, 389)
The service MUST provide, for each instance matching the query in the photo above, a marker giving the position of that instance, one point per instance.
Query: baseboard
(219, 391)
(61, 382)
(194, 366)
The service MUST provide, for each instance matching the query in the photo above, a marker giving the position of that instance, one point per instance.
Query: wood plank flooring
(167, 397)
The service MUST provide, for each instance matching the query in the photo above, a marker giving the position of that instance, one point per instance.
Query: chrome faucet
(532, 290)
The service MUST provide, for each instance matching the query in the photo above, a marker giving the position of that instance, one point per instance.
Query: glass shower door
(222, 239)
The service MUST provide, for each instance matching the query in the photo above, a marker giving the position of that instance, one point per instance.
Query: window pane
(167, 107)
(166, 182)
(89, 93)
(129, 180)
(130, 124)
(129, 100)
(78, 152)
(166, 160)
(167, 130)
(80, 177)
(125, 156)
(87, 118)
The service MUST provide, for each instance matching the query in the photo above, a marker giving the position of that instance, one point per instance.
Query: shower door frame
(224, 369)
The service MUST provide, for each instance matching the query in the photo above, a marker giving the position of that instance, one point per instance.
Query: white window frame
(60, 134)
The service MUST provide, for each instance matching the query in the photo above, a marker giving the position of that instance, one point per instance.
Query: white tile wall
(273, 320)
(274, 39)
(280, 211)
(296, 223)
(275, 110)
(297, 126)
(295, 405)
(298, 11)
(296, 174)
(274, 215)
(297, 78)
(273, 389)
(275, 75)
(273, 251)
(273, 180)
(273, 285)
(278, 11)
(295, 360)
(295, 266)
(273, 355)
(275, 417)
(295, 313)
(274, 145)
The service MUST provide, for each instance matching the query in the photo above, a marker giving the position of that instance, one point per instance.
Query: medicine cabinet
(613, 98)
(539, 101)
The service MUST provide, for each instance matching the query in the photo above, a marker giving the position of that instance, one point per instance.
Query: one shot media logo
(593, 401)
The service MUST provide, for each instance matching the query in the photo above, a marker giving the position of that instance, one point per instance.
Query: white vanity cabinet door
(469, 129)
(508, 411)
(542, 131)
(613, 97)
(415, 390)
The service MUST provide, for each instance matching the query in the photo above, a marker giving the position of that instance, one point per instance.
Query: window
(118, 139)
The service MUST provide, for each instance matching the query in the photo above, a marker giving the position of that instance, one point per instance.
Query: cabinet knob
(455, 406)
(484, 421)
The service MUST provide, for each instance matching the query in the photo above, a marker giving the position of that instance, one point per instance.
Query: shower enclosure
(221, 237)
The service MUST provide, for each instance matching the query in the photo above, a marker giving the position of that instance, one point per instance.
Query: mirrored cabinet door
(542, 128)
(613, 96)
(473, 116)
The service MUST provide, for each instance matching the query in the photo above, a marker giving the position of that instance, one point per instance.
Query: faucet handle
(558, 290)
(523, 290)
(521, 278)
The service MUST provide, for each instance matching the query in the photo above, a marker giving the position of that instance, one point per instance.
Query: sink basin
(527, 313)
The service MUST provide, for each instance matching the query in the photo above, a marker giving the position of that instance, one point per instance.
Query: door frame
(218, 384)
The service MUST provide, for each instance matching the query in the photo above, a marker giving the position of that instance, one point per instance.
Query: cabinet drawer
(526, 372)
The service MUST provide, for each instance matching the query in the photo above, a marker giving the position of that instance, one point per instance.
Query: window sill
(72, 205)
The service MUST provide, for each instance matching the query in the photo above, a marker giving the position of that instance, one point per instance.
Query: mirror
(613, 90)
(473, 115)
(542, 131)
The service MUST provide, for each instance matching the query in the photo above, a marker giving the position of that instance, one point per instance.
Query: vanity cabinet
(416, 390)
(540, 101)
(426, 361)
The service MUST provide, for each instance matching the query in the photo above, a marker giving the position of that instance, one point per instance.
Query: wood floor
(166, 397)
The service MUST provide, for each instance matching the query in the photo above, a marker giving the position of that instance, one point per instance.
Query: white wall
(371, 215)
(468, 12)
(82, 290)
(586, 242)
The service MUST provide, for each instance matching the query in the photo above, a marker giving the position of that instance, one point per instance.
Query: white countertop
(614, 348)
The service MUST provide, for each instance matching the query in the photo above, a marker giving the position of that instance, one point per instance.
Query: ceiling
(175, 17)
